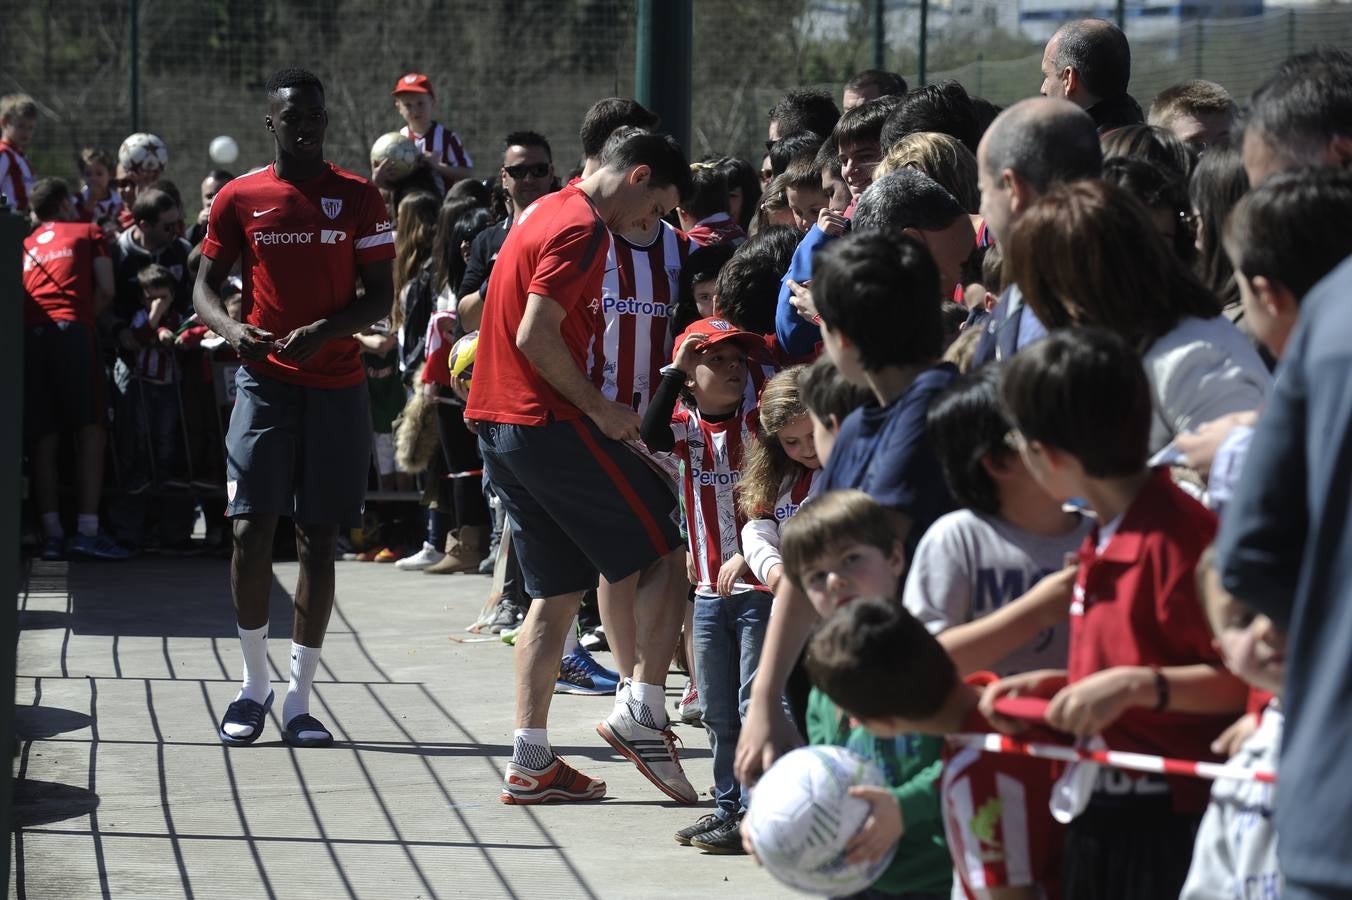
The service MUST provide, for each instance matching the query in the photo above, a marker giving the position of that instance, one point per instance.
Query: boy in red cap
(707, 432)
(415, 100)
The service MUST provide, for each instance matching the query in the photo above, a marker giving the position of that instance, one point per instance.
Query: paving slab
(125, 791)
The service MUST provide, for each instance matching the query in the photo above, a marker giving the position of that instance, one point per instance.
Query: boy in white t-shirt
(1009, 535)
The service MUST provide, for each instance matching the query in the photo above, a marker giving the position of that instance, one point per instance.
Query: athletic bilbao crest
(331, 206)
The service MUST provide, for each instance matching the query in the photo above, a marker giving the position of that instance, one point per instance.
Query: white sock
(570, 639)
(530, 748)
(647, 702)
(51, 525)
(253, 645)
(88, 524)
(304, 661)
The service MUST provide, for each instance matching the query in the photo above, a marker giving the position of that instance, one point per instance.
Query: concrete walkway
(126, 792)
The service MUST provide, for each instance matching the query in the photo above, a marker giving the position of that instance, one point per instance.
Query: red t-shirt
(997, 819)
(301, 243)
(58, 272)
(557, 249)
(1135, 604)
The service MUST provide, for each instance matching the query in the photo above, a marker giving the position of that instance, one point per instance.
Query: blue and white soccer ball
(143, 153)
(801, 817)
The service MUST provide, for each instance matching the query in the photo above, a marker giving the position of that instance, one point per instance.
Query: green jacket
(912, 765)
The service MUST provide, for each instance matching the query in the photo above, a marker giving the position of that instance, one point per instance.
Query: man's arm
(104, 286)
(372, 305)
(247, 340)
(470, 310)
(540, 340)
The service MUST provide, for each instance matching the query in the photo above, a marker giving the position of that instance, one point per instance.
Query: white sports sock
(530, 748)
(253, 645)
(87, 524)
(570, 639)
(648, 704)
(304, 661)
(51, 525)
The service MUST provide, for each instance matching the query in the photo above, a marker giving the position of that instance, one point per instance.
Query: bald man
(1088, 62)
(1030, 147)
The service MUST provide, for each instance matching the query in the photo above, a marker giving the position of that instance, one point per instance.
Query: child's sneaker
(557, 782)
(705, 823)
(652, 750)
(387, 555)
(688, 708)
(100, 546)
(579, 673)
(53, 549)
(420, 560)
(724, 839)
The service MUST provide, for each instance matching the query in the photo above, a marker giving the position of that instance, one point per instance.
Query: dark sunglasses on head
(535, 170)
(770, 145)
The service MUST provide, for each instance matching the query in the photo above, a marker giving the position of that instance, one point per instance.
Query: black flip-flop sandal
(245, 712)
(302, 724)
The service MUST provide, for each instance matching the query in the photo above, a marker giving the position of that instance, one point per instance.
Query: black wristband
(1161, 690)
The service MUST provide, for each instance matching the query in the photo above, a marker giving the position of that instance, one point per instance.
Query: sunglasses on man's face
(535, 170)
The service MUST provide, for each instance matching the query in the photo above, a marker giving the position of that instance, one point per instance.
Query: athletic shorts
(580, 504)
(63, 382)
(298, 451)
(383, 444)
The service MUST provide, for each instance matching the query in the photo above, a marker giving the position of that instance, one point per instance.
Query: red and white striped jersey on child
(712, 454)
(637, 295)
(445, 147)
(16, 176)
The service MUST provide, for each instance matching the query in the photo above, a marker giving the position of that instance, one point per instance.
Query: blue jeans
(728, 635)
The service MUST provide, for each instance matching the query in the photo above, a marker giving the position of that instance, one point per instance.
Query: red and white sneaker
(652, 750)
(556, 783)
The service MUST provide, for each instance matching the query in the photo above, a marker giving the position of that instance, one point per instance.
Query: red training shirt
(1136, 604)
(58, 272)
(301, 243)
(557, 249)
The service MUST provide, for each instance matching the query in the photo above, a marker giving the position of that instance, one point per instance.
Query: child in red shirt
(1142, 671)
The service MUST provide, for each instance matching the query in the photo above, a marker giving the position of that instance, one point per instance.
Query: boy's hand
(881, 830)
(1040, 683)
(1054, 594)
(727, 575)
(165, 337)
(800, 295)
(772, 577)
(767, 734)
(687, 357)
(1093, 703)
(1230, 740)
(832, 222)
(1199, 447)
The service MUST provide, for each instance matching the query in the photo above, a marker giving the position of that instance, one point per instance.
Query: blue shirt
(885, 452)
(796, 335)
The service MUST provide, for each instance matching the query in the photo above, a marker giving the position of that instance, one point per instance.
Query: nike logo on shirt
(263, 212)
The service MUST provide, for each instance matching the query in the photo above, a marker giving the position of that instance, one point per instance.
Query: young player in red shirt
(1142, 671)
(707, 433)
(304, 232)
(539, 413)
(68, 280)
(18, 118)
(441, 146)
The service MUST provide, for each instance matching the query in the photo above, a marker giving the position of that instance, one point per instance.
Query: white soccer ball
(143, 153)
(801, 817)
(400, 154)
(223, 150)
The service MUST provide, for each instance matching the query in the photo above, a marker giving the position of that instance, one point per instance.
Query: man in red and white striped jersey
(414, 99)
(643, 271)
(18, 118)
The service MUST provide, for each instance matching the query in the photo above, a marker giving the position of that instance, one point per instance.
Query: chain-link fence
(500, 65)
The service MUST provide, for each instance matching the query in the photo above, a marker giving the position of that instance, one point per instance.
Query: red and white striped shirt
(712, 457)
(637, 294)
(108, 207)
(760, 537)
(16, 176)
(445, 147)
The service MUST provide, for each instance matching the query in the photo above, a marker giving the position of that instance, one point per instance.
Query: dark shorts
(63, 383)
(580, 504)
(298, 451)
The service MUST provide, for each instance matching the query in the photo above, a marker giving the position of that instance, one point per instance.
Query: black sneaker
(507, 615)
(724, 839)
(705, 823)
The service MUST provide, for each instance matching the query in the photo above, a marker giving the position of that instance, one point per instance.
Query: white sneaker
(420, 560)
(652, 750)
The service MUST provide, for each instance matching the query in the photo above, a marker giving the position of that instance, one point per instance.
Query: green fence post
(662, 63)
(13, 229)
(879, 35)
(1120, 14)
(924, 40)
(134, 64)
(1198, 68)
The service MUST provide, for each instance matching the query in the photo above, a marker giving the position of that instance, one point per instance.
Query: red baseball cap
(718, 331)
(414, 83)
